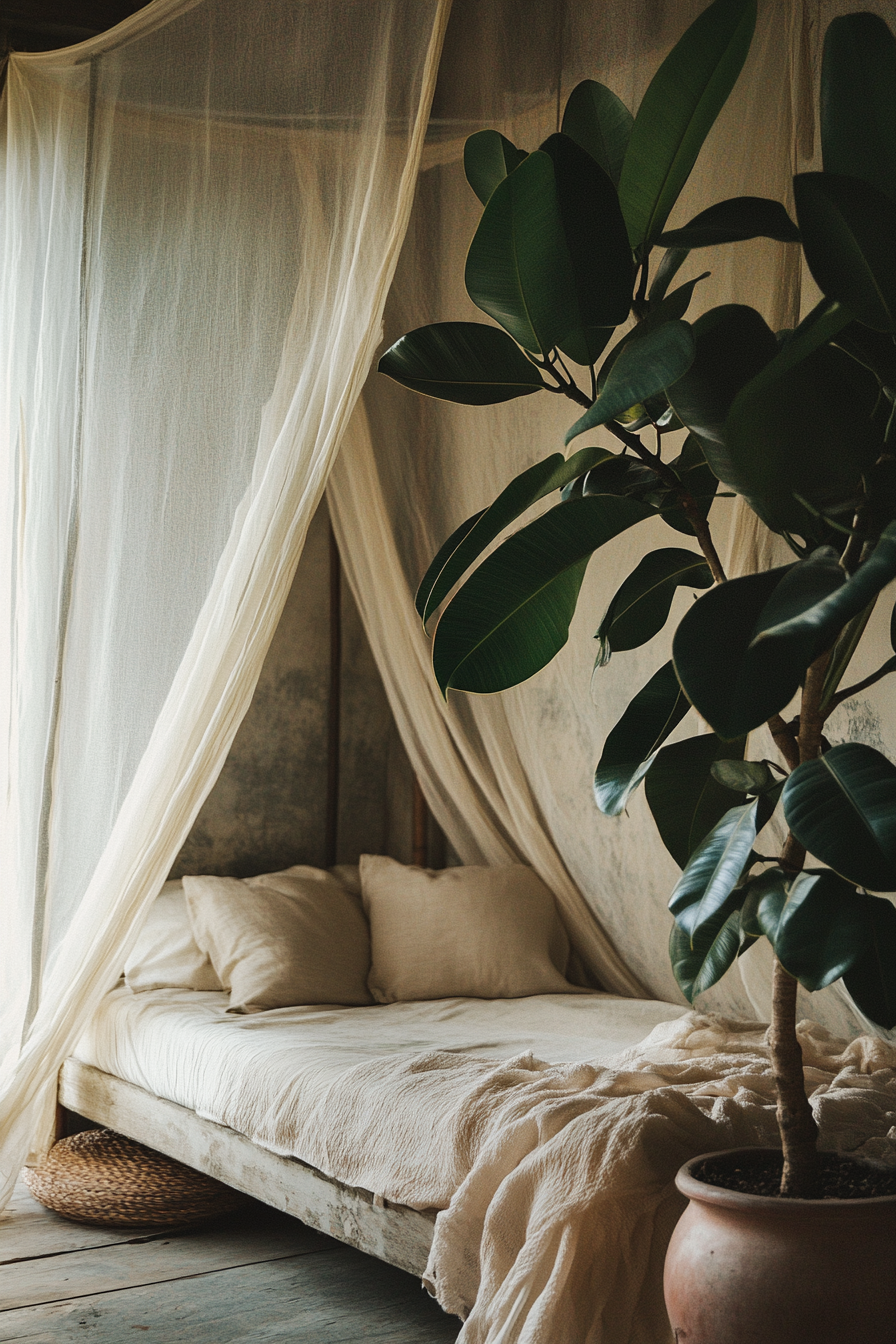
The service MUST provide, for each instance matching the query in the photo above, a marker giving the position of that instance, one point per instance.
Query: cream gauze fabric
(509, 777)
(202, 213)
(469, 931)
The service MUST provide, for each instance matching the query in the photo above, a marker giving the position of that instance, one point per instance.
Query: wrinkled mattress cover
(259, 1074)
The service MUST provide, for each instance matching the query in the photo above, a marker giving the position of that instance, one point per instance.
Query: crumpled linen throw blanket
(560, 1177)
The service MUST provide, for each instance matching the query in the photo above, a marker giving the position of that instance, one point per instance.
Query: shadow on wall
(267, 809)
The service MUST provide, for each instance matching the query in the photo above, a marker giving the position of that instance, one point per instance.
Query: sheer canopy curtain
(520, 764)
(202, 213)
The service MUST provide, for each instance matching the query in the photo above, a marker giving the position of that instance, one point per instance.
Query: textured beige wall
(267, 808)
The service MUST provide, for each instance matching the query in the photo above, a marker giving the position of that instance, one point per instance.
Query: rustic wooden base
(394, 1233)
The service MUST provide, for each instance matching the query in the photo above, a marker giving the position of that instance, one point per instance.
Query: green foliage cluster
(799, 423)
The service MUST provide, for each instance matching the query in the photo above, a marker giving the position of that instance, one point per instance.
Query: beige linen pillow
(482, 933)
(282, 939)
(166, 955)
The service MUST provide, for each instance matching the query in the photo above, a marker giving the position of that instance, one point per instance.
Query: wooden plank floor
(256, 1276)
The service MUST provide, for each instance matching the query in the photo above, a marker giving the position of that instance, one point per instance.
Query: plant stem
(785, 740)
(799, 1132)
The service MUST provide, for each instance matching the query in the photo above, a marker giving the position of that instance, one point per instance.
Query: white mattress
(260, 1074)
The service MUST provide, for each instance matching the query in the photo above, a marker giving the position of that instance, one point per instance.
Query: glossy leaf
(670, 309)
(654, 713)
(849, 240)
(461, 361)
(858, 100)
(598, 246)
(601, 123)
(471, 539)
(733, 221)
(646, 366)
(710, 650)
(872, 979)
(744, 776)
(714, 869)
(809, 429)
(685, 800)
(798, 633)
(823, 929)
(488, 157)
(732, 344)
(875, 349)
(518, 269)
(700, 961)
(764, 897)
(512, 615)
(680, 105)
(640, 607)
(670, 264)
(842, 807)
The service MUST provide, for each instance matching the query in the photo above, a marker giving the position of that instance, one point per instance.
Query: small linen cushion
(480, 933)
(166, 955)
(282, 939)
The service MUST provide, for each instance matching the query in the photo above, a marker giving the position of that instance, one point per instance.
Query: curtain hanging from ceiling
(202, 213)
(509, 777)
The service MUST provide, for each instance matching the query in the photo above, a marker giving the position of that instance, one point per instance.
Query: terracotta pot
(752, 1269)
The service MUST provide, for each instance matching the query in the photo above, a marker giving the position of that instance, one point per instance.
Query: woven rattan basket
(103, 1178)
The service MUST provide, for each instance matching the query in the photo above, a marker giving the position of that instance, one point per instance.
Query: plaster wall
(267, 809)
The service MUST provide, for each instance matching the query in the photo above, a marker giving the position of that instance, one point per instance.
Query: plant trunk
(799, 1132)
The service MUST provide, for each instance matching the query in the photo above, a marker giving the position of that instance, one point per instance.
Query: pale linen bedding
(555, 1178)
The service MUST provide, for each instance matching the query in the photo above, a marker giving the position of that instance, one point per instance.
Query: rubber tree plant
(799, 423)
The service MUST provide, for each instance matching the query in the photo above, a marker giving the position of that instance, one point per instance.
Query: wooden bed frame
(392, 1232)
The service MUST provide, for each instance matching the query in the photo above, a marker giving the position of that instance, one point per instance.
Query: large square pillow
(482, 933)
(282, 939)
(165, 955)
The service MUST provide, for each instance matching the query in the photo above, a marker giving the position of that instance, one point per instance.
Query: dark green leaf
(601, 123)
(619, 474)
(732, 345)
(849, 240)
(858, 100)
(669, 309)
(744, 776)
(518, 269)
(823, 929)
(512, 615)
(714, 869)
(478, 532)
(875, 349)
(488, 158)
(652, 715)
(461, 361)
(733, 221)
(842, 807)
(640, 608)
(684, 798)
(700, 962)
(807, 430)
(670, 264)
(710, 650)
(598, 245)
(872, 979)
(795, 634)
(644, 367)
(681, 103)
(764, 897)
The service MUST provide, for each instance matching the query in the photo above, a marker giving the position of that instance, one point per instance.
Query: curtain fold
(204, 211)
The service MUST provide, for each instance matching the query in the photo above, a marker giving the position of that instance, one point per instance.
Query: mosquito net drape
(510, 776)
(202, 214)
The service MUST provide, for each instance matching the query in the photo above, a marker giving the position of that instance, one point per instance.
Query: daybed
(544, 1129)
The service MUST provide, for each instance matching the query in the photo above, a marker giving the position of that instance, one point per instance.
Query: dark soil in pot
(759, 1173)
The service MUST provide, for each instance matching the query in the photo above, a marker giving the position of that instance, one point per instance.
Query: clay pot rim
(704, 1192)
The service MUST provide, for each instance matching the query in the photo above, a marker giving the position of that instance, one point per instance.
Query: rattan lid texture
(103, 1178)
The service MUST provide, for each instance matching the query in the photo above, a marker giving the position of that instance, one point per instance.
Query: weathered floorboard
(28, 1229)
(335, 1297)
(108, 1268)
